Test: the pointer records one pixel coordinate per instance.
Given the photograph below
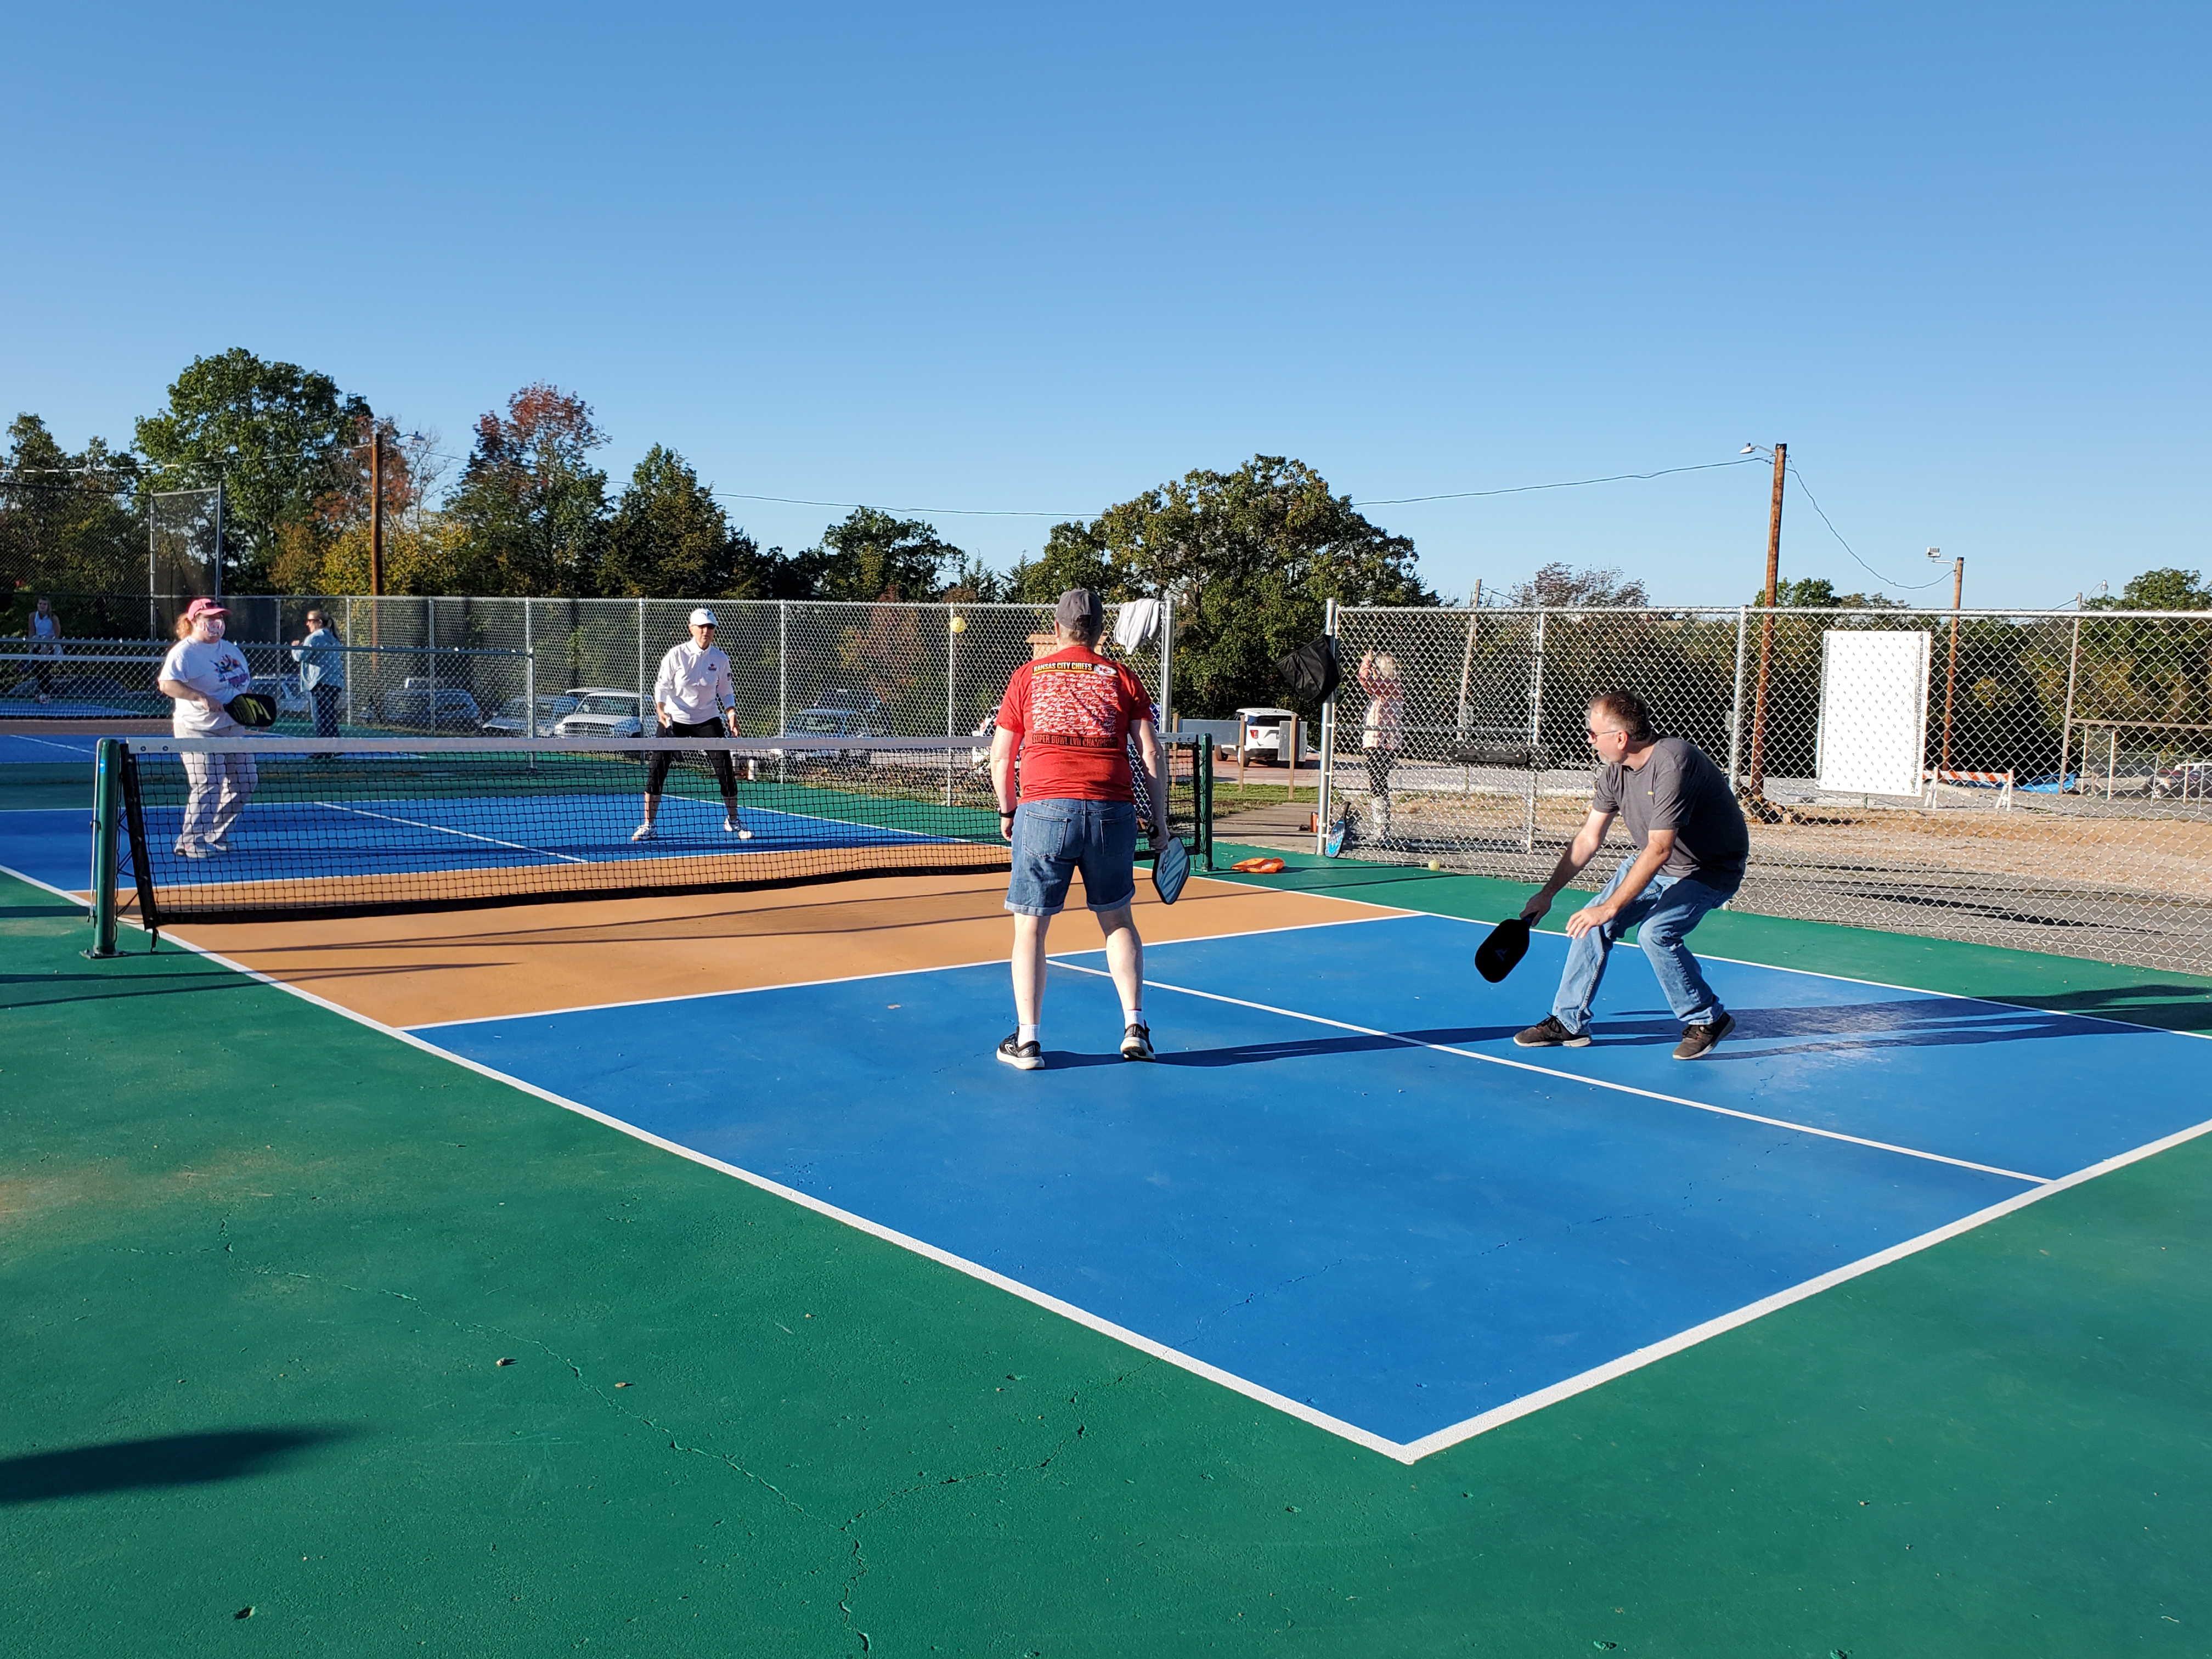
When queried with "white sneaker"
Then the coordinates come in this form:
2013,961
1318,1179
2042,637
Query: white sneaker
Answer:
644,832
192,849
732,827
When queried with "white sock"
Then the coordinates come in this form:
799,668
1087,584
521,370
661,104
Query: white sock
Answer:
1025,1033
1133,1017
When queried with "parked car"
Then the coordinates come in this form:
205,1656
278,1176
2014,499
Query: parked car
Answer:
866,704
601,712
513,720
828,722
284,690
1270,736
411,705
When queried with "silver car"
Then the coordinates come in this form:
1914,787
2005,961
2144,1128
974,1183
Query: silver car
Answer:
513,720
601,712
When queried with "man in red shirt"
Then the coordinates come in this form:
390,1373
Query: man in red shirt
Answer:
1069,714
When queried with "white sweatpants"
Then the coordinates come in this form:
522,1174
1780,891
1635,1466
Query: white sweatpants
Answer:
222,784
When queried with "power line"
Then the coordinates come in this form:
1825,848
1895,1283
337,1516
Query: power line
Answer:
1909,587
1564,483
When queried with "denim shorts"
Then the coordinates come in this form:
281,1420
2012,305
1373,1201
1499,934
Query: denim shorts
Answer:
1054,838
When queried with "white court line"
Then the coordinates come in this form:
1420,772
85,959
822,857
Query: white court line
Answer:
67,748
489,841
850,979
1414,1450
1778,967
1595,1083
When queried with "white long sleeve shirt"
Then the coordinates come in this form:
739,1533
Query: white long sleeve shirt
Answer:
694,685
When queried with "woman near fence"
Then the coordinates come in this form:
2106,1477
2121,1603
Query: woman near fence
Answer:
1383,729
46,644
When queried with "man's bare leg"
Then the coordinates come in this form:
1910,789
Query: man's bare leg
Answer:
1029,968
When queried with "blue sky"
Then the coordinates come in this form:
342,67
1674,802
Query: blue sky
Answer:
1025,258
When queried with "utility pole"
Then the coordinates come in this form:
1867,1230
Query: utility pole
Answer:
1951,682
375,509
1754,788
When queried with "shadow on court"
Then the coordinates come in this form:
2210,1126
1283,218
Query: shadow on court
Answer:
1914,1023
2170,1006
174,1460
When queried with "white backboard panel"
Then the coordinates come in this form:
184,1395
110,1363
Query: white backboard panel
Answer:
1874,711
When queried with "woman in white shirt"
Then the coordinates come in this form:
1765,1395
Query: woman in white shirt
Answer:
203,673
690,693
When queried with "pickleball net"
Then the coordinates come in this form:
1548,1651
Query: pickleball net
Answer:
280,828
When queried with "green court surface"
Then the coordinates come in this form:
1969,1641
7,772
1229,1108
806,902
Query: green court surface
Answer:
262,1265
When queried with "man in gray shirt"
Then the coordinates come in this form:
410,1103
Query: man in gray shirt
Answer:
1691,845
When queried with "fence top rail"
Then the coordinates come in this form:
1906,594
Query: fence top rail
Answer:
806,743
162,647
1661,612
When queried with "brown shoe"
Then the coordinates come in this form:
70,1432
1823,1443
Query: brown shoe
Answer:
1698,1041
1549,1033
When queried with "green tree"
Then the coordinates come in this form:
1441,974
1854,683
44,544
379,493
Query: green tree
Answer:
1811,593
1250,558
68,526
530,513
2165,589
274,434
870,554
1560,585
670,539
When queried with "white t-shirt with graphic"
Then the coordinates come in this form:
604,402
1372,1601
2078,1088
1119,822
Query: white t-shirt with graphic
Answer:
217,671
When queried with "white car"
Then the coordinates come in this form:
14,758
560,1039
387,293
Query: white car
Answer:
601,712
1268,734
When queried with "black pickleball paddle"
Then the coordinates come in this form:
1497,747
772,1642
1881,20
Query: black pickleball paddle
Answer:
1170,868
1496,956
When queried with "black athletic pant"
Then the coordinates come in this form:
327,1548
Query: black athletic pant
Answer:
656,771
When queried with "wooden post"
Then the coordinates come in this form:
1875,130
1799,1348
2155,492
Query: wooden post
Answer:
1755,784
2066,726
1951,682
375,509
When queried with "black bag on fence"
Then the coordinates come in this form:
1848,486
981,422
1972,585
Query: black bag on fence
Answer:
1312,670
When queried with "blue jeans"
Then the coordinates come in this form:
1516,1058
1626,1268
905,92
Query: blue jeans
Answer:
1054,838
1666,910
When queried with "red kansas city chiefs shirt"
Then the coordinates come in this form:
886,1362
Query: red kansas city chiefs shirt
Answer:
1073,712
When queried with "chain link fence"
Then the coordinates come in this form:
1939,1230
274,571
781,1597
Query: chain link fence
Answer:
2033,779
365,691
518,667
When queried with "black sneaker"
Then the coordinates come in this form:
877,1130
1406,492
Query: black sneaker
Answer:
1021,1056
1548,1033
1698,1041
1136,1044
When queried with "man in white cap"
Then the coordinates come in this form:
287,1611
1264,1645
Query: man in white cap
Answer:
693,698
1069,714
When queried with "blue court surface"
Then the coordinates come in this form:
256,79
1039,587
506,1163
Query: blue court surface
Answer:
301,841
23,748
1343,1186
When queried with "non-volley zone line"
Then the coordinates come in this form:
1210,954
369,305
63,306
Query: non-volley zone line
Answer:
1574,1077
447,830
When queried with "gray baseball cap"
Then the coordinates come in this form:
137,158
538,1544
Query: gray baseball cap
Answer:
1081,608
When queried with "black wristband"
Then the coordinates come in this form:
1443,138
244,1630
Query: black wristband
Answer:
1004,812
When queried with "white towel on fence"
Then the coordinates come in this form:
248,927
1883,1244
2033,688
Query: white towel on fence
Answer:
1139,621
